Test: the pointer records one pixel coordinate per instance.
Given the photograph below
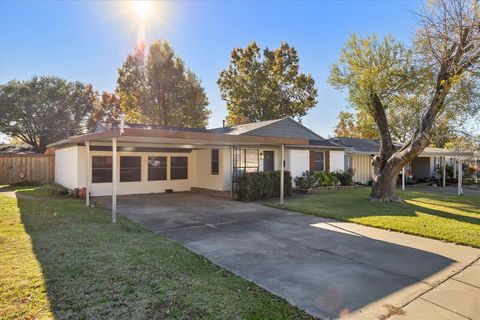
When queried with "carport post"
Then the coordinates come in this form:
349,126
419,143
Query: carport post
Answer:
114,180
476,171
282,174
459,177
87,175
444,170
403,178
231,172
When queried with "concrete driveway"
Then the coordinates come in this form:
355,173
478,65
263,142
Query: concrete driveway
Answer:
331,269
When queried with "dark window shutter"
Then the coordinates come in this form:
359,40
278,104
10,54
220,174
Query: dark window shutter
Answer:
312,160
327,161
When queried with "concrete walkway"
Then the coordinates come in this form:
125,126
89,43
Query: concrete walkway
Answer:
331,269
468,190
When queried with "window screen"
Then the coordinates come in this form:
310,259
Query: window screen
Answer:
101,169
215,161
178,168
130,169
157,168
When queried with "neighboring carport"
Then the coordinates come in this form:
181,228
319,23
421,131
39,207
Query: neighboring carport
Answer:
331,269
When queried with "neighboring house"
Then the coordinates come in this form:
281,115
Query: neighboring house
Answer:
153,159
359,153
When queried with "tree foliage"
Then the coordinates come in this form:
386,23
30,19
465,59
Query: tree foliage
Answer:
438,76
160,89
356,125
45,109
109,108
264,85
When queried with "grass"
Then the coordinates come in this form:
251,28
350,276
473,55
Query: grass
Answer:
445,217
60,259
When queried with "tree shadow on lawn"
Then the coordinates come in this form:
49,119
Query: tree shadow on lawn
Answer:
95,269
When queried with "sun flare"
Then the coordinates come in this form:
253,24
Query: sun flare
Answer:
141,7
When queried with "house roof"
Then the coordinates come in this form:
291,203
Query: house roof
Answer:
372,146
103,126
284,127
284,131
358,145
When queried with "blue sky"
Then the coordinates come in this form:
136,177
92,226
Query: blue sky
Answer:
88,40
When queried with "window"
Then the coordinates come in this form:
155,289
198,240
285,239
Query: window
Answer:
130,169
178,168
318,161
251,160
245,160
101,169
215,163
157,168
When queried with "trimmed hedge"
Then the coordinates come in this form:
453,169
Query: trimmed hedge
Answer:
253,186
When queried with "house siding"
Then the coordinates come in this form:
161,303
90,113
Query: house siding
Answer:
363,169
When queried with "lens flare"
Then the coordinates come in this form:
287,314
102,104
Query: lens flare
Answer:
141,7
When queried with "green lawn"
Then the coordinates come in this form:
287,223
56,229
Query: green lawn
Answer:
59,259
451,218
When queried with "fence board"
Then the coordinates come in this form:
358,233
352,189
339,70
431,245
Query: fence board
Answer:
16,168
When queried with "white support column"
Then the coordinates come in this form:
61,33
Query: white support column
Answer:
231,172
403,178
88,175
114,180
454,167
476,172
444,170
282,175
459,179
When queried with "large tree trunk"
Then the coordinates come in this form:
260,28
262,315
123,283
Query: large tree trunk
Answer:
383,188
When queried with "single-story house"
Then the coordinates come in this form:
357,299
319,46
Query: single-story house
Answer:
134,158
359,153
120,159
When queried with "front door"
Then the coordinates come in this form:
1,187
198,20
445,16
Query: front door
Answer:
268,164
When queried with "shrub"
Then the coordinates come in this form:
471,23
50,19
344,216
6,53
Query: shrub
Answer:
306,181
53,189
325,179
310,179
253,186
345,177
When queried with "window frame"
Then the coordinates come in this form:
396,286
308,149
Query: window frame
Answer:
124,169
104,168
215,163
172,168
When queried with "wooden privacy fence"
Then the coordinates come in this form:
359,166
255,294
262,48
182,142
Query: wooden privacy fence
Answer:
16,168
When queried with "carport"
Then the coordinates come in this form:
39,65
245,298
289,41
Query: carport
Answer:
162,145
436,159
